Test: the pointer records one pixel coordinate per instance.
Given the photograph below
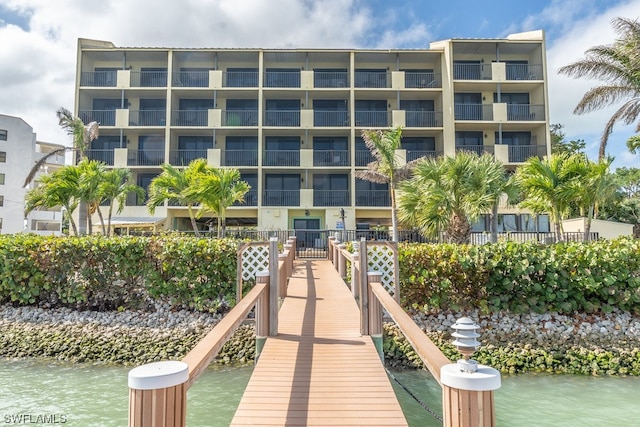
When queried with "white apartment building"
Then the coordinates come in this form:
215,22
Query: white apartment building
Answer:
19,150
290,119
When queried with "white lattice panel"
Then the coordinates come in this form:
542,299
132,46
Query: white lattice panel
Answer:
254,258
381,258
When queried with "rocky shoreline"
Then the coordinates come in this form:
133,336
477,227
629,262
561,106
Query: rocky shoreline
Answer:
136,337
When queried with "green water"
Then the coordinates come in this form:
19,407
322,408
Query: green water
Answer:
94,395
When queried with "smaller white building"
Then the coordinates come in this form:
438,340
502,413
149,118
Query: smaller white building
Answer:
19,150
605,229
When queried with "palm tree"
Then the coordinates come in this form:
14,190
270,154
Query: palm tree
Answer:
219,190
178,185
618,66
115,187
449,193
92,175
386,167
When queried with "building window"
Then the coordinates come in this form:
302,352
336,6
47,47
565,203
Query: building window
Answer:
3,134
0,223
1,179
1,201
3,157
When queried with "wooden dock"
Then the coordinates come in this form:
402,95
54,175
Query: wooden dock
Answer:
319,370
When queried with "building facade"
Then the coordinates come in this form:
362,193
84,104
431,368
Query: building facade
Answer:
19,150
291,119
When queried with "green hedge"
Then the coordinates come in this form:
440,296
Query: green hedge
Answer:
93,272
520,277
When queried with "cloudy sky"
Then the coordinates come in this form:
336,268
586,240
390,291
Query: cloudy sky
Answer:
38,40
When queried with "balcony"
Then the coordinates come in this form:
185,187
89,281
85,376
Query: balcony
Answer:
191,79
478,149
189,117
473,112
423,119
281,158
105,156
285,118
372,79
240,158
363,157
250,199
98,78
282,79
471,71
147,118
523,72
331,198
330,79
373,118
184,157
103,117
145,157
240,79
520,153
281,198
525,112
330,158
422,80
373,198
148,79
330,118
240,118
418,154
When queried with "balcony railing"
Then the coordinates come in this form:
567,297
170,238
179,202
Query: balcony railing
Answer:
331,198
473,111
282,118
145,157
98,78
281,158
524,72
520,153
147,118
184,157
104,156
478,149
190,117
330,118
250,199
363,157
330,158
372,79
373,198
330,79
103,117
148,78
240,118
418,154
191,79
471,71
422,80
425,119
525,112
240,158
281,198
372,118
241,79
282,79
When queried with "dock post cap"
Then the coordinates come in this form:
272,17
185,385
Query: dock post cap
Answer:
484,378
158,375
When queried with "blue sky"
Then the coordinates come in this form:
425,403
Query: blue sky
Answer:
39,39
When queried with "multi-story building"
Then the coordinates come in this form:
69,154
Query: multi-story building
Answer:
291,119
19,151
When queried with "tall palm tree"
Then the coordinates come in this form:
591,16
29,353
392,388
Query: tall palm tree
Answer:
178,185
618,67
92,175
449,193
219,190
115,187
386,167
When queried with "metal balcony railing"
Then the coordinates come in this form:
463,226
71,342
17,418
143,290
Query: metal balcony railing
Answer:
147,118
281,198
189,117
101,155
184,157
98,78
372,118
240,79
363,157
148,78
282,118
330,118
191,79
145,157
372,79
422,80
524,71
282,79
473,111
472,71
103,117
281,158
424,119
478,149
418,154
240,158
373,198
240,118
330,158
330,79
520,153
331,198
525,112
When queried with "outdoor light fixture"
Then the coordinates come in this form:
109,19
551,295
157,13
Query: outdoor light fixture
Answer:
465,341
